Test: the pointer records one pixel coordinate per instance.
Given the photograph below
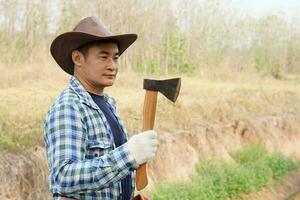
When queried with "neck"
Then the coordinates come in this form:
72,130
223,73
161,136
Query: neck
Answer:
88,86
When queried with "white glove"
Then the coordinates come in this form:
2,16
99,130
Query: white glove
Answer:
143,146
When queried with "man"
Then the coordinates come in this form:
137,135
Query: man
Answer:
88,151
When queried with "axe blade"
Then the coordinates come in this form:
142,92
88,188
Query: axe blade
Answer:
169,87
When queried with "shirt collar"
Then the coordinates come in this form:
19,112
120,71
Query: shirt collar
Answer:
83,95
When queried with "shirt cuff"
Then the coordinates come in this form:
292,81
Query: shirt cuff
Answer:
127,158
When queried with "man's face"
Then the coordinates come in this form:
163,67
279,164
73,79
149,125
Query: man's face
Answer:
100,66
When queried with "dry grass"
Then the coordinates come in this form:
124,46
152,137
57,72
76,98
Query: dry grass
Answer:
207,96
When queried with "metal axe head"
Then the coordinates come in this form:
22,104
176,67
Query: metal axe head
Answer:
169,87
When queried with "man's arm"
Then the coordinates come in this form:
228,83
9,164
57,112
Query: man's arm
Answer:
65,138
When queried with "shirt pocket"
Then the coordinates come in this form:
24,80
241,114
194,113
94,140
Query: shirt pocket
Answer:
97,148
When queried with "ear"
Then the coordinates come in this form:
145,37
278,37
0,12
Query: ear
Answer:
77,58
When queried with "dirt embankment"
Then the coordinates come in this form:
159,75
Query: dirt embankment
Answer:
24,175
179,152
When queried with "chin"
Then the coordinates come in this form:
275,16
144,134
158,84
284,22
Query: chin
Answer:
108,83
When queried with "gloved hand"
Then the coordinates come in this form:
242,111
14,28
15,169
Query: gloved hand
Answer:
143,146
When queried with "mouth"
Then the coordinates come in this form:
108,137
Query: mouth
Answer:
111,76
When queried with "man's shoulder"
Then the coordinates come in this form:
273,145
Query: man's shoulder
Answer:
66,98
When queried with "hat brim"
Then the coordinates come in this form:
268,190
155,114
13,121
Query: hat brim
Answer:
63,45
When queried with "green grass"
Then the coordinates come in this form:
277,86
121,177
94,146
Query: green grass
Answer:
253,168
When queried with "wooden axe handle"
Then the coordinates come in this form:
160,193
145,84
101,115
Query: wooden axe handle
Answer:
148,124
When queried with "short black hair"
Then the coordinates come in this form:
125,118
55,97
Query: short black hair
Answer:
84,49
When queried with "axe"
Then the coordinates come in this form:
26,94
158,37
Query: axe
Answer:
169,88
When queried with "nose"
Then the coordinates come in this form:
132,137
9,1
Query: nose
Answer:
112,64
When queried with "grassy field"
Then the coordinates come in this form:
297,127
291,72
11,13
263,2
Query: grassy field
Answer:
206,96
252,168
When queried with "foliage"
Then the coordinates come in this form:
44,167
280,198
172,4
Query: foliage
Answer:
253,169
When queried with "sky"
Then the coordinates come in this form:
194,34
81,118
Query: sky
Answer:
258,8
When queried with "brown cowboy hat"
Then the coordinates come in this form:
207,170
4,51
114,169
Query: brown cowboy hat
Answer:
87,30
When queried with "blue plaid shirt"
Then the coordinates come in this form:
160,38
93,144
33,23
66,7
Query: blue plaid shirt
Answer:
82,158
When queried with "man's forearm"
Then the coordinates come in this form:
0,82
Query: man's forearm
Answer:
92,174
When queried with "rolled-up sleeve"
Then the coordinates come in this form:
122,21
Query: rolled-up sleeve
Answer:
66,139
